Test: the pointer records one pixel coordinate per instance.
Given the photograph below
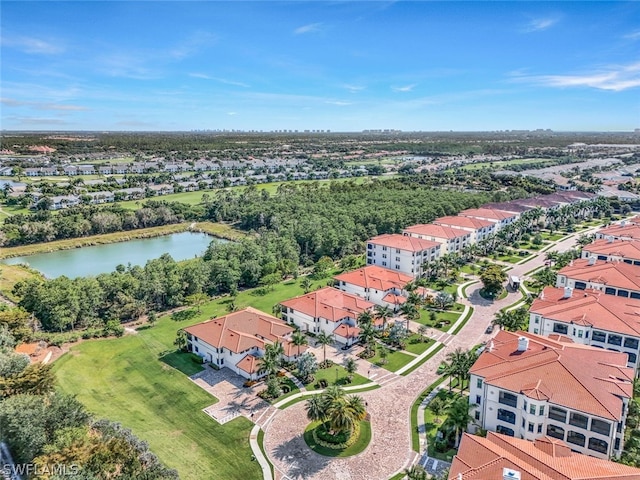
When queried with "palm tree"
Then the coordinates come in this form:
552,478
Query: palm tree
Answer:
365,318
344,412
457,359
422,331
350,366
316,409
385,313
367,337
324,339
299,339
306,284
458,416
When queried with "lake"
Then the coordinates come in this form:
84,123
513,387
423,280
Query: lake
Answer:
85,261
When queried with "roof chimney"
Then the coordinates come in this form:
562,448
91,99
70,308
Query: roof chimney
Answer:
508,474
523,344
609,239
491,346
568,292
592,260
623,223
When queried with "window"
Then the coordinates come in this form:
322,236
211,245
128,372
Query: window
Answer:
477,415
196,349
530,427
635,295
623,293
558,414
384,249
478,399
397,250
576,438
578,420
609,291
384,255
598,445
579,333
541,410
539,428
581,285
560,328
536,320
479,383
599,336
504,430
384,264
532,409
524,407
598,426
614,339
633,358
555,432
397,259
631,343
617,444
507,398
506,416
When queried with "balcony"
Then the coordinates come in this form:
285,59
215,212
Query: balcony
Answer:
506,416
509,399
558,414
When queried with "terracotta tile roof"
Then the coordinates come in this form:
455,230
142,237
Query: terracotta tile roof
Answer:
614,274
249,363
619,248
347,331
628,231
395,299
242,330
375,277
467,222
590,308
490,213
511,207
544,459
329,303
575,376
436,231
403,242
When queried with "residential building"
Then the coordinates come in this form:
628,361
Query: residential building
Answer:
101,197
452,240
403,253
620,231
501,457
376,284
527,386
499,217
480,229
326,310
611,278
610,249
60,202
589,318
162,189
237,341
133,193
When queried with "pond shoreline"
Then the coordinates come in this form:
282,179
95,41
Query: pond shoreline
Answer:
217,230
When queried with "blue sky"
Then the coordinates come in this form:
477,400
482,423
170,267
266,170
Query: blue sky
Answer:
343,66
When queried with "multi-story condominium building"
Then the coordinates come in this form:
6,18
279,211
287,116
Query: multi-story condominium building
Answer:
527,386
237,341
589,318
609,249
499,457
403,253
611,278
376,284
499,217
480,229
452,239
620,231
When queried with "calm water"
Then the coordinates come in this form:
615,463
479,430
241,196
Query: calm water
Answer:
81,262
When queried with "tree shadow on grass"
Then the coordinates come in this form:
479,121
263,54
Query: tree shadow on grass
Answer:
183,315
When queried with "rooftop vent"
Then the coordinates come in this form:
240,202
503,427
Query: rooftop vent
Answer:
508,474
523,344
592,260
568,292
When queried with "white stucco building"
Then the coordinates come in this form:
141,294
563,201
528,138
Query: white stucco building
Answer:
451,240
403,253
376,284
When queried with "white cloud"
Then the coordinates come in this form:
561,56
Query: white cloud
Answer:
310,28
204,76
405,88
538,24
33,45
10,102
612,78
339,103
354,88
633,35
232,113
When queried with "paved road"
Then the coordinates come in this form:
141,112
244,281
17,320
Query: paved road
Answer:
390,448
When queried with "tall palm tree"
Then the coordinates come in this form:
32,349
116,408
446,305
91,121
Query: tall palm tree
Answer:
324,339
299,339
458,416
383,312
365,318
457,359
367,336
316,409
306,284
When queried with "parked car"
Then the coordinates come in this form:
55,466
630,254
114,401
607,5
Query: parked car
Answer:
489,329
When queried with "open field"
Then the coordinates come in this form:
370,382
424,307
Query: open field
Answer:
504,164
12,274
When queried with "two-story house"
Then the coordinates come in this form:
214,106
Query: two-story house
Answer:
527,386
376,284
237,341
403,253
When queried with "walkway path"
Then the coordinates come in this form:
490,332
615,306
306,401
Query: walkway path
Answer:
390,448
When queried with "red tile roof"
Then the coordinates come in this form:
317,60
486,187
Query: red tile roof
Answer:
618,248
329,303
490,213
466,222
347,331
583,378
544,459
395,299
242,330
375,277
614,274
403,242
628,231
436,231
249,363
590,308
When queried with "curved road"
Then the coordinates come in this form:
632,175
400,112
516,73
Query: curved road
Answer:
389,406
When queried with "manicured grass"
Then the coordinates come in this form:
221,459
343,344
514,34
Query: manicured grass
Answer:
424,360
554,237
293,389
464,322
415,437
395,360
336,372
500,295
432,423
358,446
443,286
260,440
187,363
122,380
470,268
12,274
416,345
448,318
509,258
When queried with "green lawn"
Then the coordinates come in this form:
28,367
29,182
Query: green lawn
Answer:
187,363
358,446
416,345
415,437
443,286
122,379
448,318
395,360
336,375
432,423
